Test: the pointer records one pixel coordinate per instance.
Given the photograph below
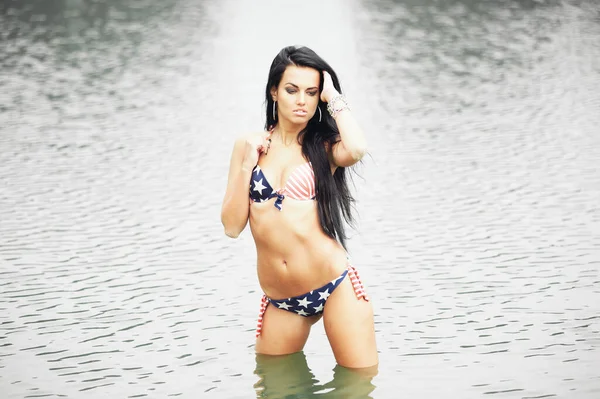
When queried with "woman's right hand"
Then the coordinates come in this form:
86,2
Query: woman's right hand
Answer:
255,145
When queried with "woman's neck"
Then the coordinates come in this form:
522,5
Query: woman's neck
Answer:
288,132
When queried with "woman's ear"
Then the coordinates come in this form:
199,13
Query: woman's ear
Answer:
274,93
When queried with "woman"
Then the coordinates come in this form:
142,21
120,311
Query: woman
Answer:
297,203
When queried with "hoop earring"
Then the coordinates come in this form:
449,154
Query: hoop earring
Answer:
320,113
274,104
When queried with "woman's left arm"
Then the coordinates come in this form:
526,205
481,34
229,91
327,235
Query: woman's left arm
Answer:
353,145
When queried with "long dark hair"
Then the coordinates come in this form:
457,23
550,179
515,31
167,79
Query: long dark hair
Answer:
334,201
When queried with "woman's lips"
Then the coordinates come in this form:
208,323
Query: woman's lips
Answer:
300,112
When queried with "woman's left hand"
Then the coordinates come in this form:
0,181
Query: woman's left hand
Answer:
328,89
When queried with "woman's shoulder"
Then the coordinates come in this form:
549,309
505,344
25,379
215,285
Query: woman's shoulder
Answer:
243,138
249,135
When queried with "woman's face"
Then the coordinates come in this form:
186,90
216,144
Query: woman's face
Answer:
297,95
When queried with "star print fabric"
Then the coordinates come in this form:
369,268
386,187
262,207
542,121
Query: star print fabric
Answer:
359,291
261,190
311,303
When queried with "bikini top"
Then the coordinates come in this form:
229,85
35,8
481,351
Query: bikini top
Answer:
300,185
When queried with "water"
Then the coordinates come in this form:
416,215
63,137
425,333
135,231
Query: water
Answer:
478,205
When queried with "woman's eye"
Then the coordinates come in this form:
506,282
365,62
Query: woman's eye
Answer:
312,93
290,91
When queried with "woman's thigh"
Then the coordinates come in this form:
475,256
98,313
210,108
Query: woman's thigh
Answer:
350,327
283,332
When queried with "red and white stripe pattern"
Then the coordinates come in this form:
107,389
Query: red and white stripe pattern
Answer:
300,185
263,308
357,284
359,288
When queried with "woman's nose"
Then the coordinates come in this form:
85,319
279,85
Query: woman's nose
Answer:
300,98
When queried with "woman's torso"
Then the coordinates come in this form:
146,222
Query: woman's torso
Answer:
294,255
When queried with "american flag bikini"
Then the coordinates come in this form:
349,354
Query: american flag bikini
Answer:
300,185
313,302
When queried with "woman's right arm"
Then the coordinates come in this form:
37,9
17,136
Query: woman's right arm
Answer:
236,204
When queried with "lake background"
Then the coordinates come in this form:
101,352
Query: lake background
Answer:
478,205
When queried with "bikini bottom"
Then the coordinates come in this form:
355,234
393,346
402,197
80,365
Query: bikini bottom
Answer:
313,302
